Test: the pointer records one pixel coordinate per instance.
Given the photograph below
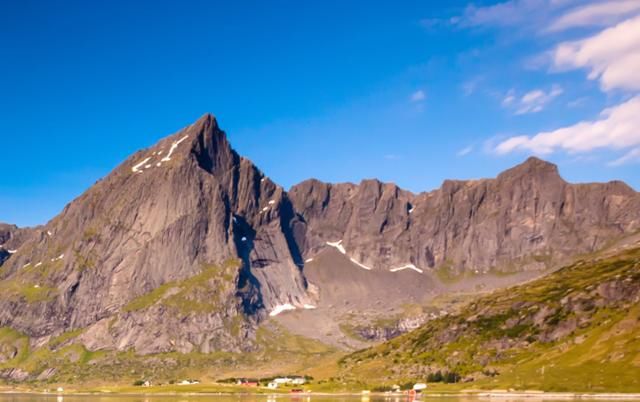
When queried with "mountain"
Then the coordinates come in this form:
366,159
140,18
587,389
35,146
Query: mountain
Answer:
188,247
528,218
187,206
577,329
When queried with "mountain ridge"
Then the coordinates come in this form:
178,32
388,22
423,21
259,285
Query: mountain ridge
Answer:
190,207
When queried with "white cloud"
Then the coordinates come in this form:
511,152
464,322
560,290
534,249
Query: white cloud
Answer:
418,96
520,14
509,98
532,102
577,102
534,15
597,14
469,87
611,56
617,128
465,151
632,156
508,13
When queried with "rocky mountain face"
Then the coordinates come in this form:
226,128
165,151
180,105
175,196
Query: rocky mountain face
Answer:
186,245
11,237
528,218
165,215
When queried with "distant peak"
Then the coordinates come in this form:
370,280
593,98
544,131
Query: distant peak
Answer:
534,167
535,161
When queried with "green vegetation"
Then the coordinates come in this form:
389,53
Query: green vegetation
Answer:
203,292
446,273
206,291
14,346
149,299
277,351
448,377
30,292
65,337
577,329
30,283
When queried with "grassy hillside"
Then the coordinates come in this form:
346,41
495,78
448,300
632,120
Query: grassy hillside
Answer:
73,365
577,329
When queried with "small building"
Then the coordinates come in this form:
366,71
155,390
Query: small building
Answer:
298,381
419,386
188,382
272,385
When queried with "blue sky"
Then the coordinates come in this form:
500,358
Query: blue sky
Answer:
412,92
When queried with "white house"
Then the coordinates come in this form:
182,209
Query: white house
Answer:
283,380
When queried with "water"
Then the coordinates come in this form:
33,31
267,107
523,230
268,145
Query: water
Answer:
201,398
260,398
215,398
192,398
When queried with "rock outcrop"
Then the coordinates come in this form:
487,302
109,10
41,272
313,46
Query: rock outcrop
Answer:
528,218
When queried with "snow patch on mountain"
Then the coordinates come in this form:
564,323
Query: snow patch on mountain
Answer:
361,265
281,308
407,266
173,148
136,168
338,245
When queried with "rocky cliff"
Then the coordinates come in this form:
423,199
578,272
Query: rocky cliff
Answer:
528,218
167,214
186,245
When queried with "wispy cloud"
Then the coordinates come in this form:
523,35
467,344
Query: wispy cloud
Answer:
534,15
509,99
597,14
577,102
469,87
632,156
611,56
465,151
617,128
521,14
533,101
508,13
418,96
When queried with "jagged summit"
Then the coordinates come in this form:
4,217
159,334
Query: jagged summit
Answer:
532,169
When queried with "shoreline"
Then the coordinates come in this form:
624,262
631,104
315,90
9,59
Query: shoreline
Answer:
496,394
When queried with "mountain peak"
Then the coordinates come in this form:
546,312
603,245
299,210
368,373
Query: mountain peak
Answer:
210,144
534,161
532,167
206,121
